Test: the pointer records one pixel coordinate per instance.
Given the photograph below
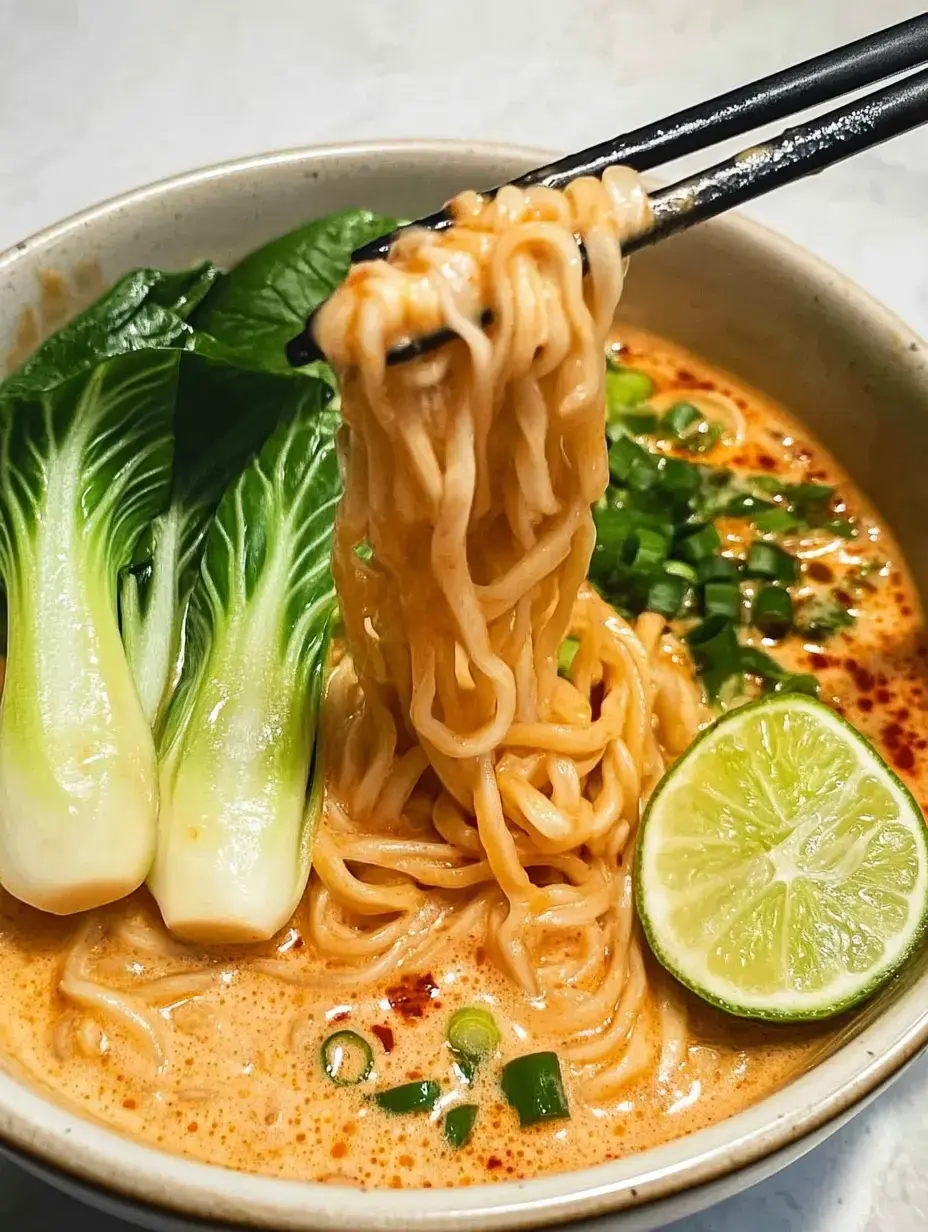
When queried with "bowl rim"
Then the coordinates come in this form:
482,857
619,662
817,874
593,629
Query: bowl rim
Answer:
47,1135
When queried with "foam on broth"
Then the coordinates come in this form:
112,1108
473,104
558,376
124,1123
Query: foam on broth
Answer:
243,1085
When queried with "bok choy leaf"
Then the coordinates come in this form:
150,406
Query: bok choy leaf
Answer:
84,467
145,310
222,419
264,301
236,748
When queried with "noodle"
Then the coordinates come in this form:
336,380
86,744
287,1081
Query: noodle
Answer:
475,788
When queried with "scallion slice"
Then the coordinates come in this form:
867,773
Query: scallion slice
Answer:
679,568
566,655
626,387
722,599
715,649
459,1124
718,569
533,1086
776,521
411,1097
347,1058
639,423
650,549
473,1033
681,418
766,560
667,594
624,455
772,612
700,542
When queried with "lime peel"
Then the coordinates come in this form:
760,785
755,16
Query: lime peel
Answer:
782,867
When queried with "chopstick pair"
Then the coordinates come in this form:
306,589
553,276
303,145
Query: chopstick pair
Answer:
795,153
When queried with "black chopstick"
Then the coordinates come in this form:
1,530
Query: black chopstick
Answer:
770,99
795,153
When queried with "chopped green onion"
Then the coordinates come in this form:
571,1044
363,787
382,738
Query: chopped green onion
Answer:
649,548
410,1097
776,521
680,418
705,437
805,494
473,1033
772,612
626,387
533,1086
718,569
766,560
667,594
631,465
715,649
678,479
757,662
459,1124
799,682
746,505
679,568
639,423
699,542
722,599
347,1058
566,655
844,528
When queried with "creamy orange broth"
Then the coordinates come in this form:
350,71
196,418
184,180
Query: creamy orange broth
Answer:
243,1085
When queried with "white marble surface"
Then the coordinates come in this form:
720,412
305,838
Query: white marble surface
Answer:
97,96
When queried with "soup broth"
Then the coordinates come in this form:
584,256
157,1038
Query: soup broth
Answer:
215,1054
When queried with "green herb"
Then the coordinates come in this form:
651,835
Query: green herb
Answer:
411,1097
347,1058
533,1086
263,302
459,1124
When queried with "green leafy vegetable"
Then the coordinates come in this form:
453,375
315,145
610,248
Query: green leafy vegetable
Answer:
145,310
84,467
223,416
263,302
236,749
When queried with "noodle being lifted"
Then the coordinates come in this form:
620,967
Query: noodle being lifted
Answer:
462,547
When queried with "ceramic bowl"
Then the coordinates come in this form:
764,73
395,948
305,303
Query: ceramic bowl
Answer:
744,298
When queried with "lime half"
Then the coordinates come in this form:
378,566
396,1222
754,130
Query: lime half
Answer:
782,868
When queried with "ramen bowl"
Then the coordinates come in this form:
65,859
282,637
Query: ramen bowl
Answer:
737,294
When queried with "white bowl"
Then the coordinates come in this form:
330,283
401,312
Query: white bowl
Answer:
744,298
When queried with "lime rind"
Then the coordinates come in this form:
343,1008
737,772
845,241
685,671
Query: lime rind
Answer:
782,867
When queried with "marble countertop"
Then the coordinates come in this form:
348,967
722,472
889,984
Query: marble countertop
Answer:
98,96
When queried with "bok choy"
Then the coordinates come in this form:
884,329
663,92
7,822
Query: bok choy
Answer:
85,465
237,745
